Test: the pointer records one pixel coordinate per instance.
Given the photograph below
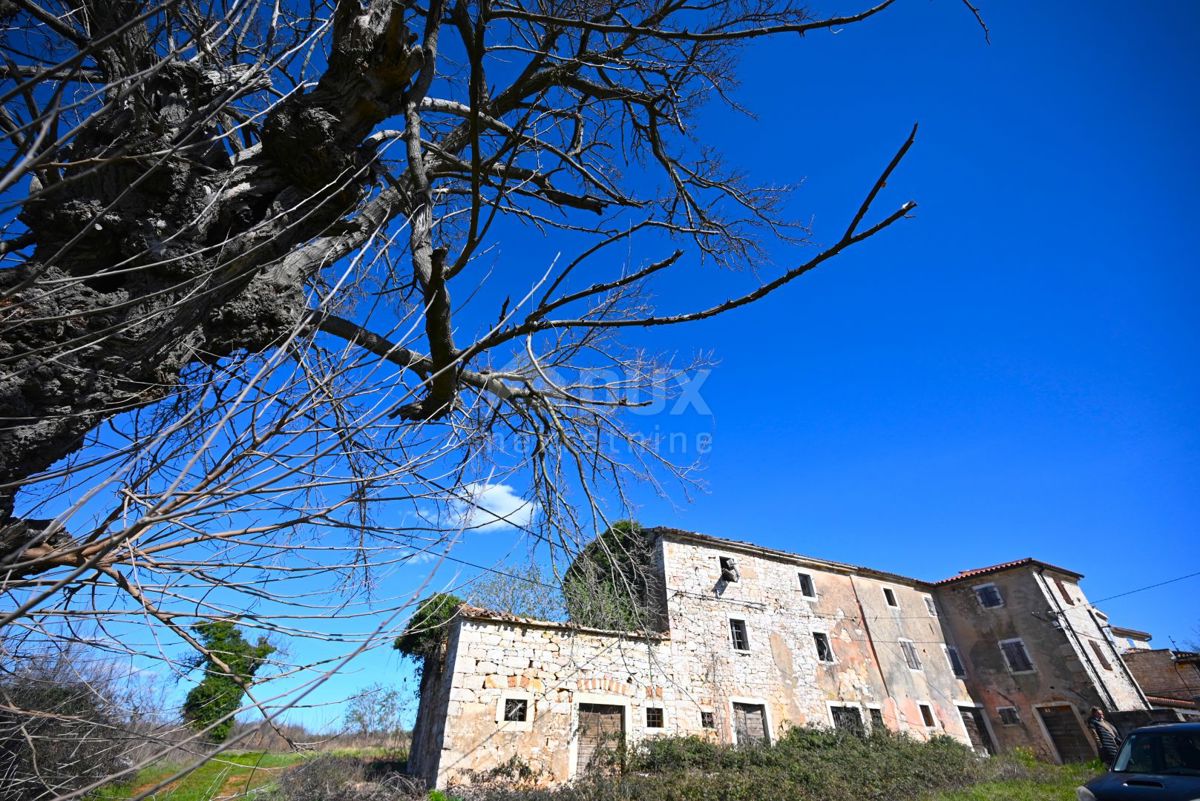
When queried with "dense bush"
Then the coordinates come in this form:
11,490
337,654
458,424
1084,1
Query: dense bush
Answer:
60,725
805,764
346,778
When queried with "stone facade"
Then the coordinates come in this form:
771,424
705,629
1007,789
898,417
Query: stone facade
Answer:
1072,664
758,640
1169,678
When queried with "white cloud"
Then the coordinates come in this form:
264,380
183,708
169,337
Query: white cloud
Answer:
491,507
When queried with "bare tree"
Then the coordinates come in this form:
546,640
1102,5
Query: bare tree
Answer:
232,369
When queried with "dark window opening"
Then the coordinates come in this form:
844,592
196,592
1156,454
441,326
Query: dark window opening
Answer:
930,606
956,664
728,569
1009,715
515,710
824,649
737,631
847,718
910,655
654,717
927,716
890,596
877,719
1016,656
1100,655
806,586
989,596
708,720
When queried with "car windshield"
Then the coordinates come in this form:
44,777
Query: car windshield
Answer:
1164,752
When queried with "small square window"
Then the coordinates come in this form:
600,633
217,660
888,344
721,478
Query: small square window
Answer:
728,568
890,596
739,635
989,596
929,604
1009,715
654,717
806,586
708,720
910,654
824,649
927,716
516,710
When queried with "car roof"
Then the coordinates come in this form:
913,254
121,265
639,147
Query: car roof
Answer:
1157,727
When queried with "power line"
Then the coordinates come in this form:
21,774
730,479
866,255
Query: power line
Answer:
1147,587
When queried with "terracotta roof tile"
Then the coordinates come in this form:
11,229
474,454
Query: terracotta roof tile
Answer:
982,571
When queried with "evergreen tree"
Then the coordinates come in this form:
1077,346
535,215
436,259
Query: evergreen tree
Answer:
229,667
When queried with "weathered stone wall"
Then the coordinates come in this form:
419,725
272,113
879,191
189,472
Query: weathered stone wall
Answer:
694,671
1160,674
1066,669
1094,650
781,668
554,668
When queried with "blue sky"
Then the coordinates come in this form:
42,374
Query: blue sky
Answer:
1010,373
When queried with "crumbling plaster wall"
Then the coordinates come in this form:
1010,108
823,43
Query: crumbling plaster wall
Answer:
781,668
1061,674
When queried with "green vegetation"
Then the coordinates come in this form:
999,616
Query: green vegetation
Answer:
229,667
427,628
804,765
226,775
610,585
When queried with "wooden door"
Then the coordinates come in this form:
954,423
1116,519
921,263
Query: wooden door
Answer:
972,719
601,737
750,723
1068,736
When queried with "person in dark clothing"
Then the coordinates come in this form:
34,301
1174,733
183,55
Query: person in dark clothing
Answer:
1108,741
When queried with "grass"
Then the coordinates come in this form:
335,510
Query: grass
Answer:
1053,783
226,776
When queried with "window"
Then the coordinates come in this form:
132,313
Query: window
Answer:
927,716
989,596
1062,589
516,710
930,606
1009,715
847,718
824,649
1016,656
910,654
956,664
889,596
737,632
708,720
654,717
1100,655
728,568
806,586
877,719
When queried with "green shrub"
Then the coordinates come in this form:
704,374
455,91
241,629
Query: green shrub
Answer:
803,765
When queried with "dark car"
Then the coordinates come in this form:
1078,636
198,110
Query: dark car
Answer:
1156,763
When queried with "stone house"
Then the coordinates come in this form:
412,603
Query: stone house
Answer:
755,640
1170,678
